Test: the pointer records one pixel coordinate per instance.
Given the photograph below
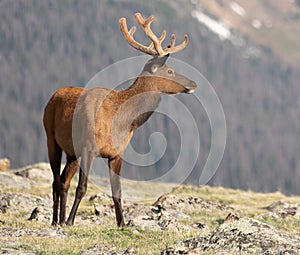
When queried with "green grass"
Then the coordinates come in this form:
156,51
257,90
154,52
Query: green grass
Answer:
288,224
81,237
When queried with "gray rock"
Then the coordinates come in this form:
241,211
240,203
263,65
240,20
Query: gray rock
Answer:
171,201
140,216
11,181
243,236
154,218
26,177
284,209
36,172
10,202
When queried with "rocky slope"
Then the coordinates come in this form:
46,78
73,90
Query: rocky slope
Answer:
212,226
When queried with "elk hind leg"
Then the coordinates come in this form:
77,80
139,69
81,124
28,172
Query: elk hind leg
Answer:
54,154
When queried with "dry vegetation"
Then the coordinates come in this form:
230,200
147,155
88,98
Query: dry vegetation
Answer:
187,213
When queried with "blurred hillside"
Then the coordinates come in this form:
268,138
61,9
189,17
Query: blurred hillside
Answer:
253,65
274,24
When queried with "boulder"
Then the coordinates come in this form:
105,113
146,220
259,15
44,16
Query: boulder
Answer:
241,236
11,181
37,172
4,164
183,203
283,209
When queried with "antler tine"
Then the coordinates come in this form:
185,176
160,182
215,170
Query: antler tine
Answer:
128,35
156,42
173,40
145,25
151,45
132,31
172,49
163,36
142,22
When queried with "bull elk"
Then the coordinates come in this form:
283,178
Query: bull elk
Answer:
100,122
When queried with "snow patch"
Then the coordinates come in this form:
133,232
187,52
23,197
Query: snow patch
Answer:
215,26
247,51
238,9
256,24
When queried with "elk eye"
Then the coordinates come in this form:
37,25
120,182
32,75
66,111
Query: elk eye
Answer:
170,71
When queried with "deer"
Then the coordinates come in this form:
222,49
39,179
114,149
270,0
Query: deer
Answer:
100,122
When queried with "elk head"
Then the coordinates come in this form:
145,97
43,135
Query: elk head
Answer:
161,77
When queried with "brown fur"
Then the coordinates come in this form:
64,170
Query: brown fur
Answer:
100,122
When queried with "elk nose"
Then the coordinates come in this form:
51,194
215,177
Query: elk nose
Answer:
190,88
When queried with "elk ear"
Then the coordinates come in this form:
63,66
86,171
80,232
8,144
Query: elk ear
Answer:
161,60
158,62
154,63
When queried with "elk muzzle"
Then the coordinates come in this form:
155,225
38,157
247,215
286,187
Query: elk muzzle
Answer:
190,88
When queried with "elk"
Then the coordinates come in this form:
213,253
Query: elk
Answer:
100,122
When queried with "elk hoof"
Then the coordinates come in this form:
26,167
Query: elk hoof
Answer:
54,224
69,223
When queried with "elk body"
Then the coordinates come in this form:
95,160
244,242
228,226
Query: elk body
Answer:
86,124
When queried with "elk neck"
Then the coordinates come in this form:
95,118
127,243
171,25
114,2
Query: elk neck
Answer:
142,84
141,89
139,101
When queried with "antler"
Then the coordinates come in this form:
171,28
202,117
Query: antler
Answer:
155,48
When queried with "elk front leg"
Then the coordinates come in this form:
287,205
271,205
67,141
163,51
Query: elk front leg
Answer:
66,177
87,159
114,174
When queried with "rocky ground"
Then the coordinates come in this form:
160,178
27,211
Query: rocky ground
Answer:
213,227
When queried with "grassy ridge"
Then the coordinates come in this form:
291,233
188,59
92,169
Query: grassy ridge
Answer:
82,236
